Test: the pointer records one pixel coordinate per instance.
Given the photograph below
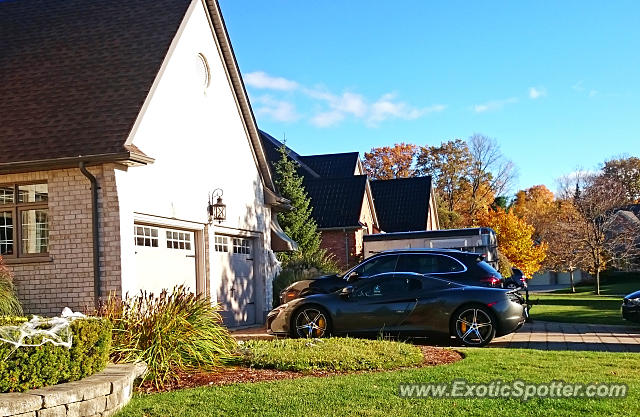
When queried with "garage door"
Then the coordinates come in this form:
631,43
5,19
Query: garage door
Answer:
236,293
165,258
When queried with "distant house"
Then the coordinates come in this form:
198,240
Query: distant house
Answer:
347,205
118,119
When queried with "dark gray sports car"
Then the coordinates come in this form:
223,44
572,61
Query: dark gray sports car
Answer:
403,303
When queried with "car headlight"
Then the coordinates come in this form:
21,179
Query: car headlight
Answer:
633,302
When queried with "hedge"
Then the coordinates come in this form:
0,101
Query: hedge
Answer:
23,368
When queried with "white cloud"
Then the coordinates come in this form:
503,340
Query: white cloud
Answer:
535,93
494,105
327,119
593,93
331,108
279,110
262,80
578,86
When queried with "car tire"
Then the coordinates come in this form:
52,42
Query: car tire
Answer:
310,321
473,325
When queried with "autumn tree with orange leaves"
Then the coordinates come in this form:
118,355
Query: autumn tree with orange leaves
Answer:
388,162
515,239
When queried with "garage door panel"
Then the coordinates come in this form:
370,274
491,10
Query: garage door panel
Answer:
165,258
237,290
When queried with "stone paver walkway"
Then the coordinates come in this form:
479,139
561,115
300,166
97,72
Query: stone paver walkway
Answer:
572,336
537,335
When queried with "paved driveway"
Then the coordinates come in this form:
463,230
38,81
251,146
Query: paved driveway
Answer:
573,336
538,335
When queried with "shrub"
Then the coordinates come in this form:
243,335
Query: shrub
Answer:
333,354
176,331
9,304
26,367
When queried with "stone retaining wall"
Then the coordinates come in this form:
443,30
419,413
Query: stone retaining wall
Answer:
100,395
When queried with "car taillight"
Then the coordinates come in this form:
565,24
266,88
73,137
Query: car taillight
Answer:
491,280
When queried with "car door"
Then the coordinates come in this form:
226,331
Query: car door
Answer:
430,309
378,304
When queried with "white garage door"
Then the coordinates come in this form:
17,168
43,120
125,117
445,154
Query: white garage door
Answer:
164,258
236,293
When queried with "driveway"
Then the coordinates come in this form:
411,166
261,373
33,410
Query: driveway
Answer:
572,336
537,335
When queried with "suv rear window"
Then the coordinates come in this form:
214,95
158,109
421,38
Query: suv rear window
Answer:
489,269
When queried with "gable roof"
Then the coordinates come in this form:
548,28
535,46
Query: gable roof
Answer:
402,204
75,76
333,165
337,202
272,147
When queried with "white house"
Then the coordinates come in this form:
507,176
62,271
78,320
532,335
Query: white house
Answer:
146,98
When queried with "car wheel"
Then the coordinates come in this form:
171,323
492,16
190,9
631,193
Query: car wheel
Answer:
310,322
473,325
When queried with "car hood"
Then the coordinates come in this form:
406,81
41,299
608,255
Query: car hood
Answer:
633,295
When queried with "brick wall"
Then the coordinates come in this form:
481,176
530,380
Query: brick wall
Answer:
66,279
334,242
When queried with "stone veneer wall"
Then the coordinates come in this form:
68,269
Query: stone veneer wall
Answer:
100,395
65,277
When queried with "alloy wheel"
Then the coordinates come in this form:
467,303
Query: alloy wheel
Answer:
310,323
474,327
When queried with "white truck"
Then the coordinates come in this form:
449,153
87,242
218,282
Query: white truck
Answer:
480,240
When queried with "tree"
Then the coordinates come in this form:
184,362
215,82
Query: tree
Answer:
387,162
603,238
626,172
297,223
515,239
536,205
490,174
563,253
449,166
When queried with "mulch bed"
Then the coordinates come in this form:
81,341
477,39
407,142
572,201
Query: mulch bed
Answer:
238,374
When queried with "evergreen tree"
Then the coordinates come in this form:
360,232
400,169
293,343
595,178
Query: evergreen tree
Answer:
298,223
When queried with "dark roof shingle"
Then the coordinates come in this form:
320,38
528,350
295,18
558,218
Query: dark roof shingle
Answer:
332,165
337,202
74,74
402,204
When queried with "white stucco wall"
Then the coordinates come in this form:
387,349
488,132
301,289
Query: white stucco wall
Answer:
198,140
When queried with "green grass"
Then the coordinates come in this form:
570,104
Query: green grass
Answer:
375,394
584,306
334,354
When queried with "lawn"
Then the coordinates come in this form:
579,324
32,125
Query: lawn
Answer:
584,306
375,394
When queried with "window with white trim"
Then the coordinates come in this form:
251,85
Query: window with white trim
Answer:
222,244
241,246
146,236
24,220
178,240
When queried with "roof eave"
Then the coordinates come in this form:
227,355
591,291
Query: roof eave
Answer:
125,158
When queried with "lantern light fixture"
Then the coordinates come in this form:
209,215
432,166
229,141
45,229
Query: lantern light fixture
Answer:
218,210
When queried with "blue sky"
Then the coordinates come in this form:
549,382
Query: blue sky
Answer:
556,83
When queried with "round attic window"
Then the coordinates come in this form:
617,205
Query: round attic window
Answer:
204,75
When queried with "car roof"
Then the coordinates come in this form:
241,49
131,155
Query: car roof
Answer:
429,250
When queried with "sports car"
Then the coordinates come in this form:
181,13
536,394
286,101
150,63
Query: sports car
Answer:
403,303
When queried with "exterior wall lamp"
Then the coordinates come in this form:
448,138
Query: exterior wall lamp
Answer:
217,211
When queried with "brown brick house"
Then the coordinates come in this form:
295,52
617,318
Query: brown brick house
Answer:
118,120
347,205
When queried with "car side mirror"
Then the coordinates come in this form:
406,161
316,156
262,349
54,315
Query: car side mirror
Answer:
346,291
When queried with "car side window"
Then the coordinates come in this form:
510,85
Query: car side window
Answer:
378,265
447,264
418,263
390,286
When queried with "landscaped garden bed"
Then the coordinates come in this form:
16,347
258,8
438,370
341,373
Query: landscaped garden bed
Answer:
260,361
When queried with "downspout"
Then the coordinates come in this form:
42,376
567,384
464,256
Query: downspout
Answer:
346,245
97,287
